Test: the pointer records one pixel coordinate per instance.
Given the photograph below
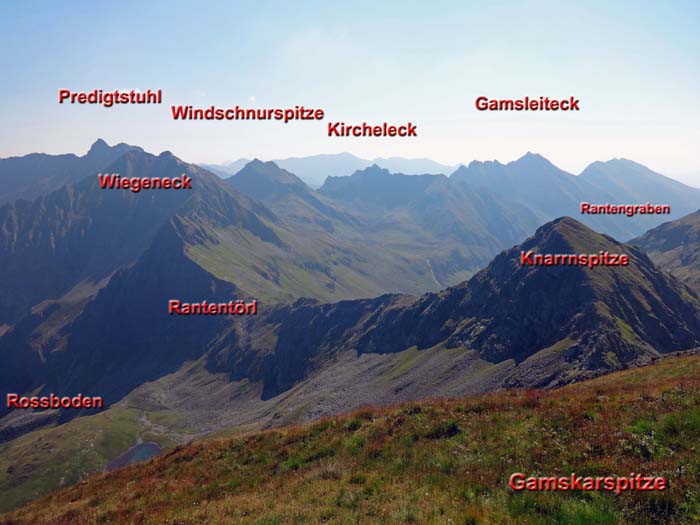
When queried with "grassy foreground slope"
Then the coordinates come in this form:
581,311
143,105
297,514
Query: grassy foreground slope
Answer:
442,461
51,457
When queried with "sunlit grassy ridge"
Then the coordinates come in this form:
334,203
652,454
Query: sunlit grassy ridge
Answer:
58,456
441,461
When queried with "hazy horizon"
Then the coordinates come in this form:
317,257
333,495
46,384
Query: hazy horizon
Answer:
634,68
677,177
690,181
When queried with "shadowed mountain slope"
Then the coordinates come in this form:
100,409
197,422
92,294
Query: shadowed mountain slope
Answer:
675,247
567,322
211,243
80,232
37,174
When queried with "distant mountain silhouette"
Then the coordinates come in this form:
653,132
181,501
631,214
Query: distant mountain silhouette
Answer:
314,169
443,232
413,166
288,196
37,174
550,192
226,170
260,180
376,185
634,183
532,182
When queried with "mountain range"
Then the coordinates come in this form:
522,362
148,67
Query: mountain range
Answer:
531,183
314,169
441,230
374,289
82,257
551,192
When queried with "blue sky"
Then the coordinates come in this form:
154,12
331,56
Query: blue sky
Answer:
635,66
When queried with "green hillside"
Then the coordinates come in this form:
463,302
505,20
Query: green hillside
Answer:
442,461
